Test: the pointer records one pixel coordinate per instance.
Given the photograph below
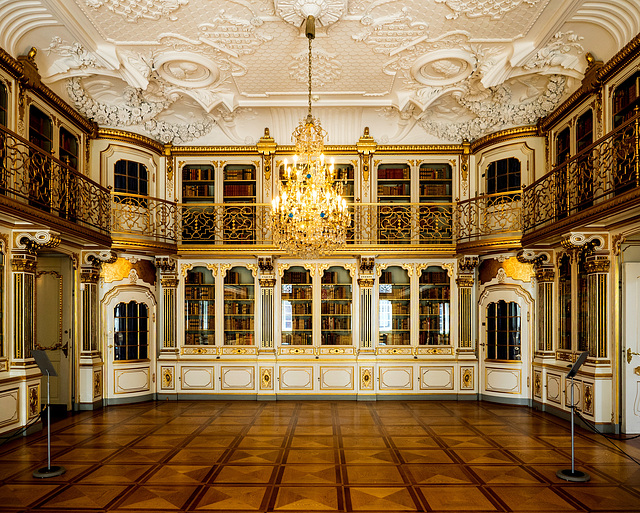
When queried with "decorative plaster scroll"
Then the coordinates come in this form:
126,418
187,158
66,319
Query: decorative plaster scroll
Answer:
562,51
351,268
297,11
496,9
322,268
388,33
380,268
282,268
409,268
213,268
577,239
132,10
185,268
74,54
223,269
449,267
420,268
36,240
253,268
311,268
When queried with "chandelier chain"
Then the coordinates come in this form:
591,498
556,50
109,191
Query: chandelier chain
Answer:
310,75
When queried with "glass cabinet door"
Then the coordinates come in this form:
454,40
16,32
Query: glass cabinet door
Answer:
434,307
239,301
297,307
335,309
199,307
394,305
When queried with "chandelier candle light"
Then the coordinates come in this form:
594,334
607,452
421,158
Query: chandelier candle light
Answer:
309,218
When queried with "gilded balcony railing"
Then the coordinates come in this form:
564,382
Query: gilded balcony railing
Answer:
145,218
372,223
492,215
31,176
607,168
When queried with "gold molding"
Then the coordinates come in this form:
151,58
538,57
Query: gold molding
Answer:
465,281
267,282
597,266
545,274
132,138
503,136
366,283
169,283
620,59
266,378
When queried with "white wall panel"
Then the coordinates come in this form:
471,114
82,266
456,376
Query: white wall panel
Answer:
396,378
9,405
436,378
197,378
296,378
503,380
237,378
336,378
128,381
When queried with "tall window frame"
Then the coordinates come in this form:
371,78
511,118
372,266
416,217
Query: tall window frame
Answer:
130,178
503,175
504,331
131,331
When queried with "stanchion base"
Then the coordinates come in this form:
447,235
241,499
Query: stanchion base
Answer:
49,471
576,476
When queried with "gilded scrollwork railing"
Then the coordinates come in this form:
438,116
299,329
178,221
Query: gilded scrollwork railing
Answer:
31,176
491,215
143,217
602,171
372,223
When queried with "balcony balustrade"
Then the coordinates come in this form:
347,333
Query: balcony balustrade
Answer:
492,216
597,176
29,176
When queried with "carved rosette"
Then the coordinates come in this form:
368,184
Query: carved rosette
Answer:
466,378
366,378
166,380
266,378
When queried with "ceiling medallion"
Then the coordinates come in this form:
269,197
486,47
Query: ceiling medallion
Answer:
296,12
187,70
443,67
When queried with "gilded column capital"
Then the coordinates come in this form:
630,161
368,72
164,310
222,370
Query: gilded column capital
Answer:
598,266
267,282
545,274
169,283
366,283
89,275
465,281
24,264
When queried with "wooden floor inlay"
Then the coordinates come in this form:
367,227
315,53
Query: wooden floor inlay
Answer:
304,456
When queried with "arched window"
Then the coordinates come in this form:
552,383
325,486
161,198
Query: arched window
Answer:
503,331
130,177
4,104
131,331
503,176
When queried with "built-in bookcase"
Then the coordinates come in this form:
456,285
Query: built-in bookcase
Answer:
394,187
239,196
434,296
199,307
198,183
346,174
435,186
297,307
335,307
394,307
239,307
625,98
69,148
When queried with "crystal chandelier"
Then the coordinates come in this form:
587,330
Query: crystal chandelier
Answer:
309,217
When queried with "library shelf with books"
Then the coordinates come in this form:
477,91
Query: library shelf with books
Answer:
435,186
394,307
626,98
198,183
239,196
199,307
239,307
335,307
394,187
434,307
297,307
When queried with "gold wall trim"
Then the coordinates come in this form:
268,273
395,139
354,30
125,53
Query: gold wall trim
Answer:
419,148
489,244
132,138
629,52
502,136
214,150
9,64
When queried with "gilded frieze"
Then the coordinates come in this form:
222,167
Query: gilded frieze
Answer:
513,269
121,268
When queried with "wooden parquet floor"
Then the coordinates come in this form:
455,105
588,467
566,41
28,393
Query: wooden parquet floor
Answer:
303,456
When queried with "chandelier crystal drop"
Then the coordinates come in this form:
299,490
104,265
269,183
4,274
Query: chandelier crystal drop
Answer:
309,217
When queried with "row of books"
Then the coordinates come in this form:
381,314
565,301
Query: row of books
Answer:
433,309
200,308
240,190
336,339
402,189
198,323
238,308
430,323
298,294
435,277
625,95
435,189
234,323
394,339
238,339
301,323
301,309
433,339
296,339
239,174
194,191
336,308
431,173
197,174
401,173
199,339
435,293
335,323
295,277
198,293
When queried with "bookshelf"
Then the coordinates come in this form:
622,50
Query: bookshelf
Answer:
198,183
582,312
239,186
297,307
394,186
435,186
335,307
40,129
69,148
4,104
625,98
563,149
433,301
346,174
584,172
584,130
394,307
239,307
199,307
564,285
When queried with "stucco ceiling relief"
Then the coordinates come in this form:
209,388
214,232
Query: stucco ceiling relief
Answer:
563,51
132,10
326,68
297,11
476,8
388,33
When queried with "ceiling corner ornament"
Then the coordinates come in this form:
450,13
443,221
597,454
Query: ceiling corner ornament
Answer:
496,9
296,12
133,10
74,54
563,51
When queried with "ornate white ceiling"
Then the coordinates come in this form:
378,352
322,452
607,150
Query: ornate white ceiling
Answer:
218,72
